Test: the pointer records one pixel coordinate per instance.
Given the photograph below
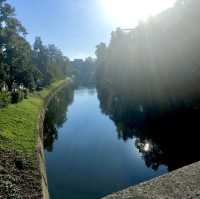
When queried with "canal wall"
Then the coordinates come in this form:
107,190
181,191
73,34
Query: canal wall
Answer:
183,183
22,162
40,147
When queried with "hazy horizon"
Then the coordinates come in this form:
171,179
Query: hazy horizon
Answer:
76,27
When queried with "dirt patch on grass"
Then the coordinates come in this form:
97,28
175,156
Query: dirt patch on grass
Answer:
19,179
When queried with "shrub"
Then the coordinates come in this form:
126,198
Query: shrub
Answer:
4,99
17,96
25,93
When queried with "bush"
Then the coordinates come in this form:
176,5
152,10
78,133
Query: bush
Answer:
4,99
25,93
17,96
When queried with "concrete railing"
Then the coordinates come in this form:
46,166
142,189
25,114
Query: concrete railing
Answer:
183,183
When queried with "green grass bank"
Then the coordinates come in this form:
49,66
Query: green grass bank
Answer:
18,122
22,164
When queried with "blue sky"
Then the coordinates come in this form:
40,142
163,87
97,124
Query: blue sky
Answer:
77,26
74,26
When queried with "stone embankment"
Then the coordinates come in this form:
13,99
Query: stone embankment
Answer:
183,183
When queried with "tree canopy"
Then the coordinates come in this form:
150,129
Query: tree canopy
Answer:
21,63
156,63
85,71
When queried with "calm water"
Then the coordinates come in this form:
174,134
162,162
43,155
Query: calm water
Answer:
85,157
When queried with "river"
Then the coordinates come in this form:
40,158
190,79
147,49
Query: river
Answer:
85,158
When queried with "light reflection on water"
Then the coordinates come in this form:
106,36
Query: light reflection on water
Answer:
87,159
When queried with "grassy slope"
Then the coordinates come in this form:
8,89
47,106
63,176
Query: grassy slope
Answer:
18,122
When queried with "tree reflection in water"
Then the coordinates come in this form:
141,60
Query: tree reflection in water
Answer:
168,137
56,115
164,136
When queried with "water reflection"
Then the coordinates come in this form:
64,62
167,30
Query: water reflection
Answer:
89,160
168,137
109,144
56,116
151,153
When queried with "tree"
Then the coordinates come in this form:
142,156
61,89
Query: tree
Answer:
157,63
85,71
20,63
15,51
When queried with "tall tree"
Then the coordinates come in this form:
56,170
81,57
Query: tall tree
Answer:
157,63
15,51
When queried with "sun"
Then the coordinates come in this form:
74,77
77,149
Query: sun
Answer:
127,13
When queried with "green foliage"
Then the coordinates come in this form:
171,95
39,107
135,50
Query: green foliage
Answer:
18,122
25,93
157,63
84,71
17,96
20,64
15,51
50,62
4,99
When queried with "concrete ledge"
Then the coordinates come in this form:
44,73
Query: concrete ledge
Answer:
179,184
40,147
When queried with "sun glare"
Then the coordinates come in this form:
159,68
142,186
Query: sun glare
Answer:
127,13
